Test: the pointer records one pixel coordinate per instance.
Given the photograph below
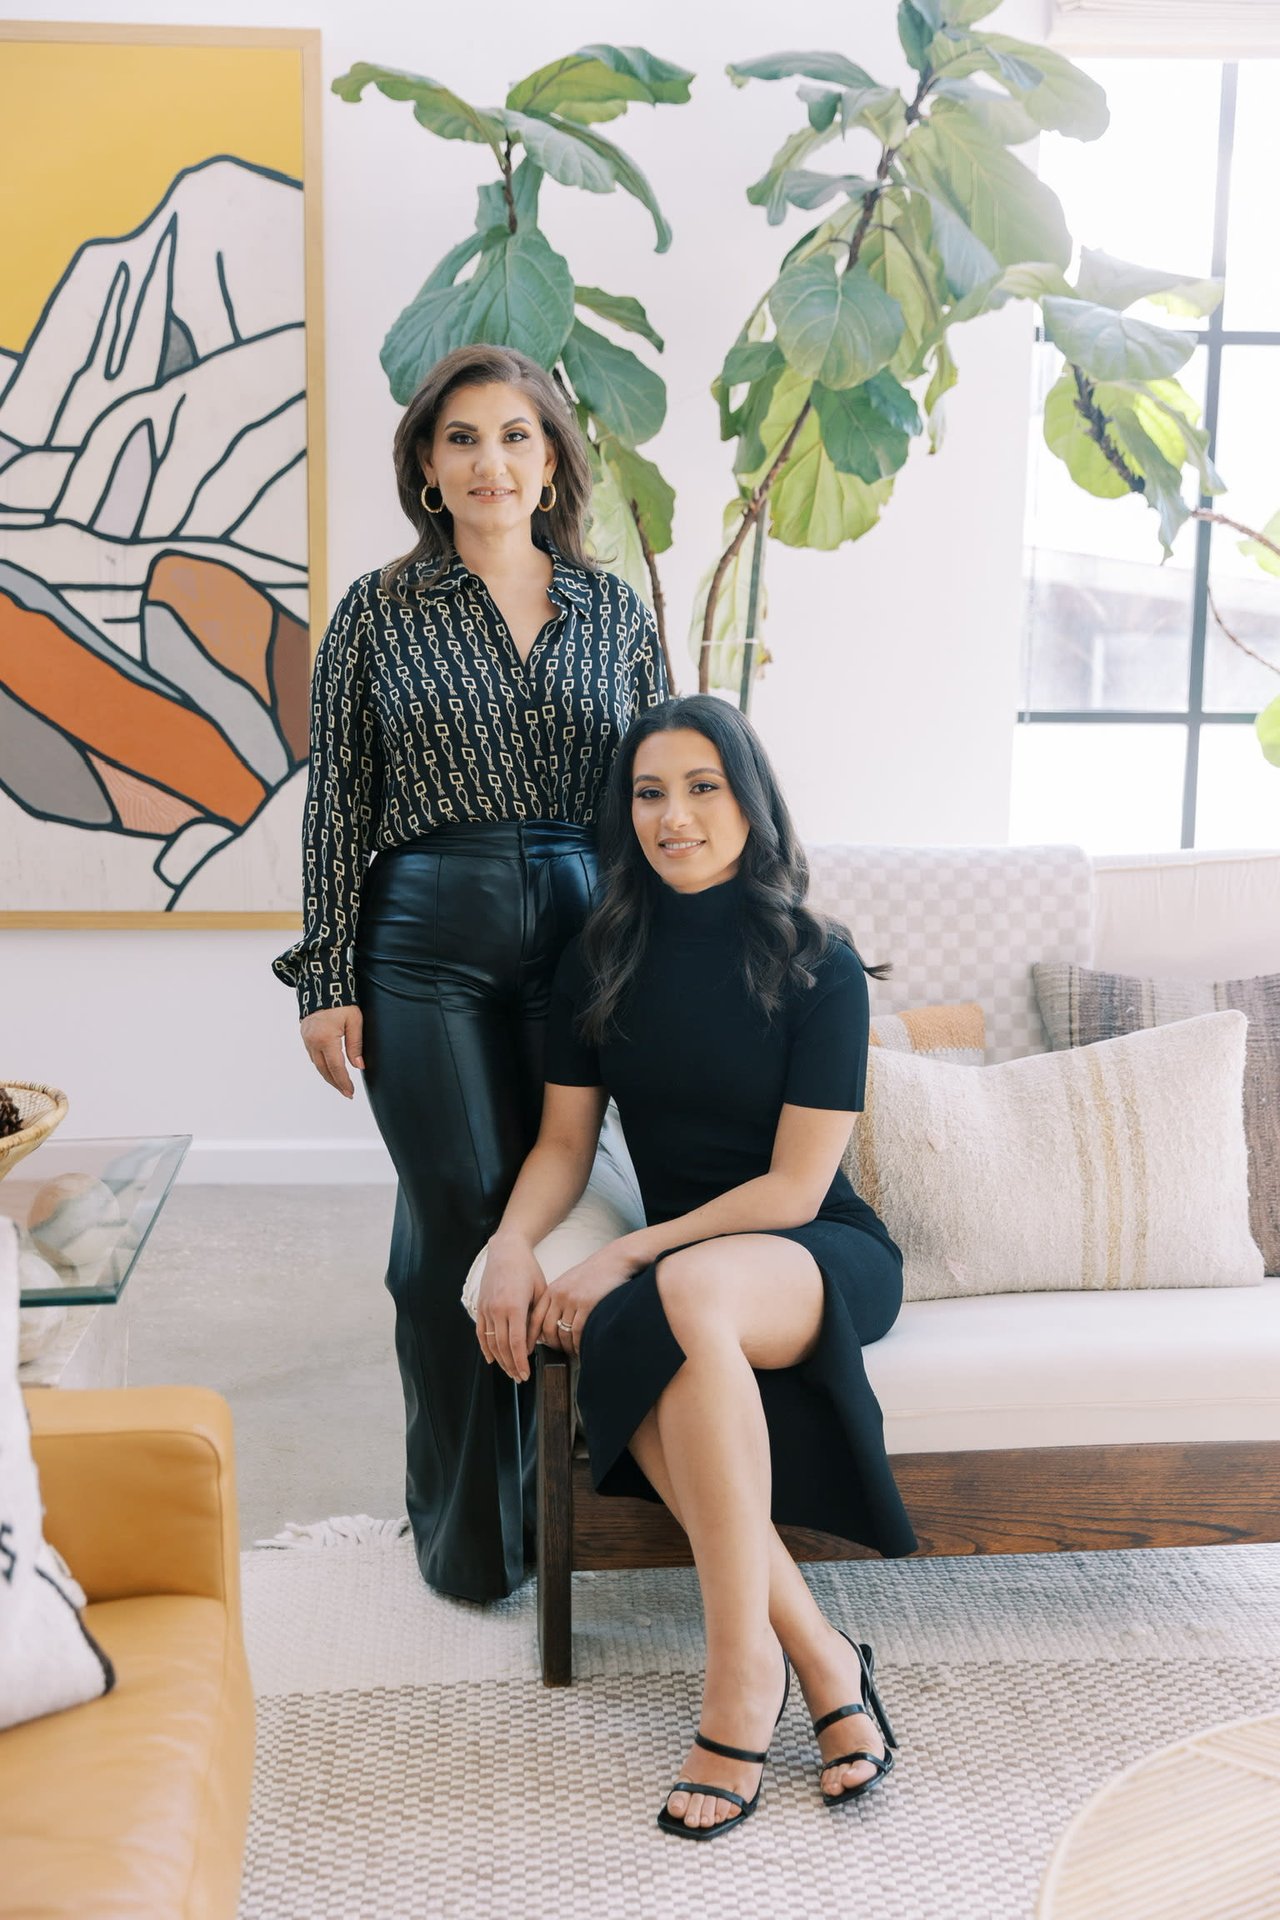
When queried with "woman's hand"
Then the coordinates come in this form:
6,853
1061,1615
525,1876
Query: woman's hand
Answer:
509,1304
569,1299
325,1035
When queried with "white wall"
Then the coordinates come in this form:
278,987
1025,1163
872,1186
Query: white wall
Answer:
889,703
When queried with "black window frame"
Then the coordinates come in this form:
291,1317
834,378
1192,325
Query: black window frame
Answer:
1214,337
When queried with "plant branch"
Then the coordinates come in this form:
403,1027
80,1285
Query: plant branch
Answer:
1235,640
1096,421
750,514
1250,533
507,194
659,602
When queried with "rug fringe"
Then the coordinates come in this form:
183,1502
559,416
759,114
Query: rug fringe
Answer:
343,1530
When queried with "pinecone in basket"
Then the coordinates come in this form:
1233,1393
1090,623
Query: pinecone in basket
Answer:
11,1121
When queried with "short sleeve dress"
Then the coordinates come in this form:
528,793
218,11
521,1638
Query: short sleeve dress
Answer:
700,1076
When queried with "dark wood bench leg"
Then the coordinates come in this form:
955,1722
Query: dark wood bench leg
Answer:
555,1518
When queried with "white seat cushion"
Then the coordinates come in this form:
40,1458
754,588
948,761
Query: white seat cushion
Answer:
1081,1369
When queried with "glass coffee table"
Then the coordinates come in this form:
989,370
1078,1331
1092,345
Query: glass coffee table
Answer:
84,1210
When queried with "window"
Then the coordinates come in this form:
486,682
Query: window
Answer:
1135,730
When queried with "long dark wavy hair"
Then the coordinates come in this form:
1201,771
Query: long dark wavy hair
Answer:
565,524
783,937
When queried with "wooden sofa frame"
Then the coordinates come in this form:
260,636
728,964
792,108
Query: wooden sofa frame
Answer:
1024,1500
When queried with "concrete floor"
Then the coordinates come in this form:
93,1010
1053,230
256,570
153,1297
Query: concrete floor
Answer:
274,1296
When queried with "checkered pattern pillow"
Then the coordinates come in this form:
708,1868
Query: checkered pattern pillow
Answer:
961,923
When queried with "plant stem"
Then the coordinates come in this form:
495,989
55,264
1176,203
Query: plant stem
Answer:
750,514
1235,640
1250,533
659,602
507,194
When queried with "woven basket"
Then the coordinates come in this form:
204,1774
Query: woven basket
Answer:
41,1109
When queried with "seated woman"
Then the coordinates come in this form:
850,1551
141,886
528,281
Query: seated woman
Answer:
721,1345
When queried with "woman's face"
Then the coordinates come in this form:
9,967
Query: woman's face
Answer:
490,458
684,812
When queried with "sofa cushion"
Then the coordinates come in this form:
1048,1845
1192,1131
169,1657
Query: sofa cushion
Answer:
1080,1369
1120,1165
134,1805
1187,915
961,923
49,1660
1080,1007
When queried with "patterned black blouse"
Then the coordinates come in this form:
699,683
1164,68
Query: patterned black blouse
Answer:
423,715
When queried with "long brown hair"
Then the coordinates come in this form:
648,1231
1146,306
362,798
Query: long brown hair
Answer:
783,937
480,366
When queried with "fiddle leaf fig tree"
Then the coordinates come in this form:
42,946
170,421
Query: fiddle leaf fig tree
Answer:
504,284
846,359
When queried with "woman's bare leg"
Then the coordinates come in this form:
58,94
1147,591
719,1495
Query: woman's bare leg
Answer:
735,1304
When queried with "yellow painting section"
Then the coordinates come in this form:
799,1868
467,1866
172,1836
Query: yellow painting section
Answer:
92,136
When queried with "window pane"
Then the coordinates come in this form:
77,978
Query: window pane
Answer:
1106,625
1253,263
1237,792
1247,598
1109,789
1145,190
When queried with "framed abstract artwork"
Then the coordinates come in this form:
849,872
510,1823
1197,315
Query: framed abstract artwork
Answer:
161,471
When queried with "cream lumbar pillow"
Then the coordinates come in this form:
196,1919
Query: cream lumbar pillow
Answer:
1117,1165
48,1658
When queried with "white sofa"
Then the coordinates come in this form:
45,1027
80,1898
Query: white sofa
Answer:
1028,1421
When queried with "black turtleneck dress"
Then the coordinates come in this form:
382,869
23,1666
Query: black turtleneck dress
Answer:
700,1077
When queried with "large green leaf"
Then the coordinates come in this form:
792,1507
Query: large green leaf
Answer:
967,262
1005,119
837,328
1169,414
857,435
433,323
812,504
438,108
831,67
1162,481
613,536
916,32
749,359
776,402
1118,283
629,178
491,202
446,271
1067,434
897,254
644,488
621,309
619,389
889,397
803,188
559,152
943,377
1110,346
751,419
770,190
1057,95
952,157
1267,728
522,297
1027,280
1254,549
599,82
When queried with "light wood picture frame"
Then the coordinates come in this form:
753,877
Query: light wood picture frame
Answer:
162,497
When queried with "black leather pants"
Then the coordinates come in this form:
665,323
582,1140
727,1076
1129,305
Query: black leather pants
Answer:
459,935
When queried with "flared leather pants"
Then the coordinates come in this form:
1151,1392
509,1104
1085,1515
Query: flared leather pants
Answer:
459,935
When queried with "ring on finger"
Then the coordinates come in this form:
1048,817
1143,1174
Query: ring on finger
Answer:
565,1326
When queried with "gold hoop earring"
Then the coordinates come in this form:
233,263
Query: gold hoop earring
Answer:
545,506
426,503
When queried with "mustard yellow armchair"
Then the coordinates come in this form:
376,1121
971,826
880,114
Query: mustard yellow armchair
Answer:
137,1804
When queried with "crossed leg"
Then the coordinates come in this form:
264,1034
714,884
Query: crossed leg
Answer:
734,1304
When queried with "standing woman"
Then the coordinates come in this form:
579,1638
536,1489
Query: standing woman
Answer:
467,704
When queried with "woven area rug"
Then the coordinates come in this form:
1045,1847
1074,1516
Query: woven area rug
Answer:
411,1764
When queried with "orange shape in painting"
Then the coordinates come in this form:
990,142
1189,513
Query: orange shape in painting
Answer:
133,726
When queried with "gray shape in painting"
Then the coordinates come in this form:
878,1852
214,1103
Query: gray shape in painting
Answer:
125,501
229,703
45,771
33,594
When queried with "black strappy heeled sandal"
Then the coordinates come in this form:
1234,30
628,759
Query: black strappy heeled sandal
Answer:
668,1820
870,1704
